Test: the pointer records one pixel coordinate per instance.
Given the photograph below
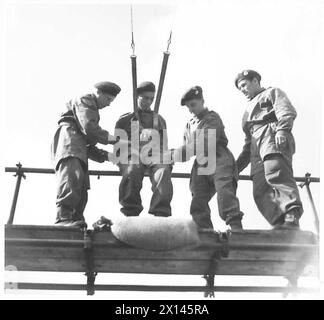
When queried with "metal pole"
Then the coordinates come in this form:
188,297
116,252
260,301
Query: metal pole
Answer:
117,173
315,214
161,288
19,174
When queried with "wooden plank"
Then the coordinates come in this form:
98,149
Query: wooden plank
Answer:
106,237
49,248
42,232
185,267
46,264
125,252
194,267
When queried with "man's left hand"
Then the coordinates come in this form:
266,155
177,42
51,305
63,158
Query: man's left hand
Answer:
281,139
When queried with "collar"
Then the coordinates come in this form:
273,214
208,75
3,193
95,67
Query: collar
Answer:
262,89
201,114
144,111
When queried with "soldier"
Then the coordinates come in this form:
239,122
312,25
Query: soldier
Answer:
269,146
74,142
133,171
206,128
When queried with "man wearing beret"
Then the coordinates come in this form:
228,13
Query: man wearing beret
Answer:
269,146
74,142
133,171
206,129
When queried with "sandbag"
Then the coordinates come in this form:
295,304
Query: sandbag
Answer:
155,233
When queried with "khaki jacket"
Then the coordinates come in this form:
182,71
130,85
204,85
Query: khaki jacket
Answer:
267,113
77,128
225,162
146,120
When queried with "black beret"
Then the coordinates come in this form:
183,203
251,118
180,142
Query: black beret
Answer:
108,87
247,74
146,86
192,93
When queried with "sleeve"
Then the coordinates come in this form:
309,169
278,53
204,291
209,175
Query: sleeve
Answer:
244,158
189,147
284,110
87,116
96,154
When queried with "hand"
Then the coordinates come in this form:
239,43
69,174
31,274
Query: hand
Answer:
146,135
167,157
112,158
96,154
281,139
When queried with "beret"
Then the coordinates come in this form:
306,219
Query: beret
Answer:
108,87
247,74
146,86
192,93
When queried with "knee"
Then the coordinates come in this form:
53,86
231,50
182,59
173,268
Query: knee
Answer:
274,175
133,171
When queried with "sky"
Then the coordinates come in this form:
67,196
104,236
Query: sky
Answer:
53,51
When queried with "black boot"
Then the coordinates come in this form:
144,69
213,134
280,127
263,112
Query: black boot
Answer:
236,225
291,221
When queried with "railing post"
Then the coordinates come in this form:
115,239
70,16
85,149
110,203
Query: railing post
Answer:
19,174
306,183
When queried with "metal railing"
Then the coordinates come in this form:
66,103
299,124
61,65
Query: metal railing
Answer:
20,171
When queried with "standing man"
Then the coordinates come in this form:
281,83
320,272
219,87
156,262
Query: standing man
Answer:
214,169
269,146
74,142
133,172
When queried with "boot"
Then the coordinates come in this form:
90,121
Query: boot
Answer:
291,221
236,225
71,223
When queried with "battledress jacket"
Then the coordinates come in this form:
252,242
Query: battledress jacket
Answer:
266,114
125,121
78,128
225,162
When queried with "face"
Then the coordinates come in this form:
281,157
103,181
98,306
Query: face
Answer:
249,87
104,99
195,106
145,100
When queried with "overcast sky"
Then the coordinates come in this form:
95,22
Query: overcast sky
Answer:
56,50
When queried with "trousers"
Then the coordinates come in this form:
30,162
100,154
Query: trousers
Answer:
131,185
203,188
275,190
72,189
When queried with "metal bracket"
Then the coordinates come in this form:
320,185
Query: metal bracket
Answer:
222,253
315,214
19,174
90,273
293,278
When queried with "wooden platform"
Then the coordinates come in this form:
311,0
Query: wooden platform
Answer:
250,252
